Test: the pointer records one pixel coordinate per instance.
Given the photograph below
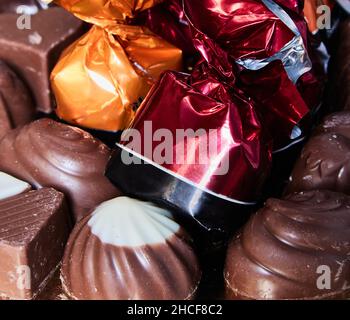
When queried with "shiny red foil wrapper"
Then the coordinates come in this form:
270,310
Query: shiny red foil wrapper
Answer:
248,29
168,21
207,100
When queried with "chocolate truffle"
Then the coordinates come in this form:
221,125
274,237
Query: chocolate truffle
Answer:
296,248
32,53
325,160
16,105
34,228
129,250
50,154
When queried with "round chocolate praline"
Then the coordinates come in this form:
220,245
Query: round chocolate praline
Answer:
284,249
129,250
47,153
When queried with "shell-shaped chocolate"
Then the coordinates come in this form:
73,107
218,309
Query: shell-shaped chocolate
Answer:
296,248
46,153
129,249
325,160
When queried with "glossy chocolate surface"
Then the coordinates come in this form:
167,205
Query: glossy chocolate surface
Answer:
34,228
50,154
289,248
32,52
129,250
325,160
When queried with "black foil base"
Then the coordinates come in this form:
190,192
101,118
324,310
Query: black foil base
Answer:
210,219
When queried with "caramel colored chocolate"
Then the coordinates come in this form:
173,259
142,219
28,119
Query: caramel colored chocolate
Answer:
129,250
50,154
325,160
296,248
16,105
34,228
32,53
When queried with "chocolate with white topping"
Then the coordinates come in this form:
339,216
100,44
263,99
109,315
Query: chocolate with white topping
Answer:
129,249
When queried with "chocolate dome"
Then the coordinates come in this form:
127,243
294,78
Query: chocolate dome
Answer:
283,249
129,249
46,153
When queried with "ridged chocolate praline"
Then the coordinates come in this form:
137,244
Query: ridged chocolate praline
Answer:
129,250
325,160
46,153
281,252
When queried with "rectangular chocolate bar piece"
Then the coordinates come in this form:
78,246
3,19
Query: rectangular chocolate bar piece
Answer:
32,47
34,228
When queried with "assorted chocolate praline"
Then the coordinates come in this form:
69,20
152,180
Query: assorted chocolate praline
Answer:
287,246
47,153
130,250
34,228
67,232
324,162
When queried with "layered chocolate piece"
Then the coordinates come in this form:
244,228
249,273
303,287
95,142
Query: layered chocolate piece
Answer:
129,250
16,105
50,154
34,228
33,47
295,248
325,160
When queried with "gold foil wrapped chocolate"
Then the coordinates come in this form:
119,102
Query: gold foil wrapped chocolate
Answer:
102,77
106,12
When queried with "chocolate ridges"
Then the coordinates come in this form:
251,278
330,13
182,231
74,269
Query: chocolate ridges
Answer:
34,228
129,249
46,153
283,249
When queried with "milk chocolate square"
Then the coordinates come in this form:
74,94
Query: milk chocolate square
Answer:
34,227
32,53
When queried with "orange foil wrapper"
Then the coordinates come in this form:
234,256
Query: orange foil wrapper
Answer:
310,12
106,13
101,78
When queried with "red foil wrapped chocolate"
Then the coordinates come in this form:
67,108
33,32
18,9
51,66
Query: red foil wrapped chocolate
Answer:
269,41
224,160
168,20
